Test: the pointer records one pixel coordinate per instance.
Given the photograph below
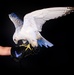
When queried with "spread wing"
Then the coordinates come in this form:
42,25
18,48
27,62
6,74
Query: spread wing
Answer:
18,25
16,20
39,17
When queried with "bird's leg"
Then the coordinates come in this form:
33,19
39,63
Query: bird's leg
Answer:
27,46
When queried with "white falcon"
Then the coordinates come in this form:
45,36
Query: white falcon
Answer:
29,29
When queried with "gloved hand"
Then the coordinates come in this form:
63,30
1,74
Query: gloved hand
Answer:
18,52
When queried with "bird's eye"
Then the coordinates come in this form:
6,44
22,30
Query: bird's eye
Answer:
14,39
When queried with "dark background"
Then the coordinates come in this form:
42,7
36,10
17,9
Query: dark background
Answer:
58,31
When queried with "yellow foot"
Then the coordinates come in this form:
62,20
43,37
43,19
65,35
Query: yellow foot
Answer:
27,46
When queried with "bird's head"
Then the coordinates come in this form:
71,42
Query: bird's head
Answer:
18,41
15,40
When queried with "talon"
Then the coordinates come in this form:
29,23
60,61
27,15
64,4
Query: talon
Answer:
27,46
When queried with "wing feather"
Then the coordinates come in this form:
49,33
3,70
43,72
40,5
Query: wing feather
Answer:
41,16
16,20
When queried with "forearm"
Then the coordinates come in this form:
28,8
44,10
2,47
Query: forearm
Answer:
5,51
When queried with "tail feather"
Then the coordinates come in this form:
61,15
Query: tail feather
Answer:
44,42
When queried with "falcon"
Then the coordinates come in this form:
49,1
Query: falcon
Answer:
29,29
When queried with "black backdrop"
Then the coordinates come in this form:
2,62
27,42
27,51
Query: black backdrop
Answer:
56,31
